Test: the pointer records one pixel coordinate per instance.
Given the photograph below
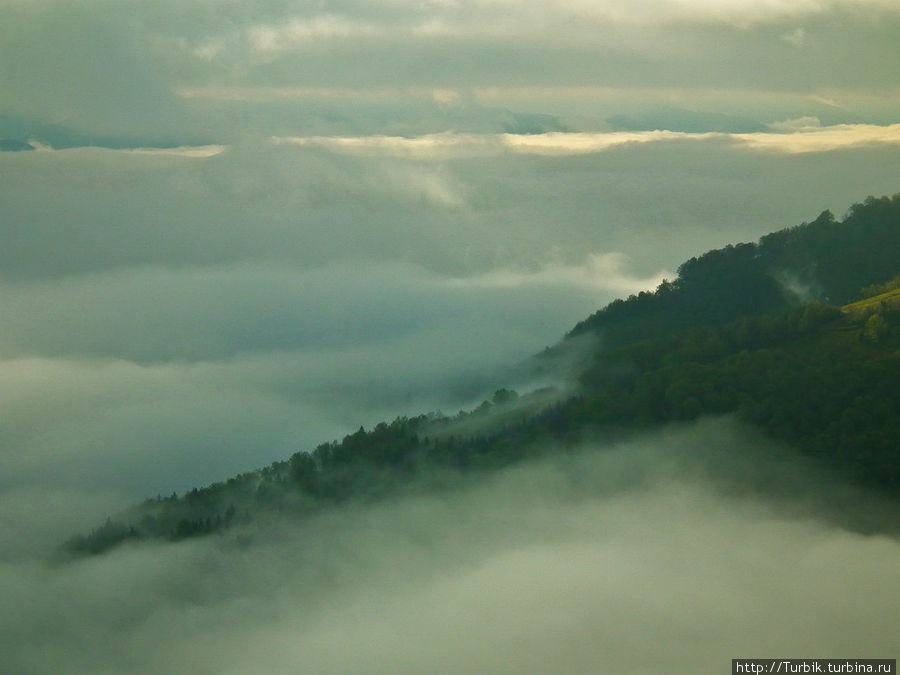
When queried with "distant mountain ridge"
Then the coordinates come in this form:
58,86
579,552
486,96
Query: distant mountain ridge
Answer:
18,133
759,331
686,121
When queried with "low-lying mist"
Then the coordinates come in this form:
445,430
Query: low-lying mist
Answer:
658,554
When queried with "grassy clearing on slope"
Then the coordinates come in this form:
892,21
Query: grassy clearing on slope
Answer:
878,303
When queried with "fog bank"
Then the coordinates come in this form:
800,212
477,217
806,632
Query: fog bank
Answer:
653,555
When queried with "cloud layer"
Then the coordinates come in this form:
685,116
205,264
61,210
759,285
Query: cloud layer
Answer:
322,215
622,559
802,135
174,318
116,68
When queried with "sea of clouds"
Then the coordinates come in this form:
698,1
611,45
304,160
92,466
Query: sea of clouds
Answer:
655,554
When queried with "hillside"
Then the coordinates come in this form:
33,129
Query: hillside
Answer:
752,330
825,260
889,300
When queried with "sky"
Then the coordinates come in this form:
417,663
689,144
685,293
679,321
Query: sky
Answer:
248,227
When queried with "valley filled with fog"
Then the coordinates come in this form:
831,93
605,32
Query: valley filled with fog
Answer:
173,320
651,555
230,232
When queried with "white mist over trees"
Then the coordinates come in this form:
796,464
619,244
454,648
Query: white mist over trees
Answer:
647,555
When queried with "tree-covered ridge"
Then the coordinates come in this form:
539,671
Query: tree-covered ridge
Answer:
818,377
825,260
366,464
814,378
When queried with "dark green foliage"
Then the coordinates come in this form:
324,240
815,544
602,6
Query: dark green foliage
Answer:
110,534
878,289
504,396
824,260
840,257
810,378
876,328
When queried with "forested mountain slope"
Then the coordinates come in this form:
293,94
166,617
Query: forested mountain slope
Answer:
825,260
778,334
